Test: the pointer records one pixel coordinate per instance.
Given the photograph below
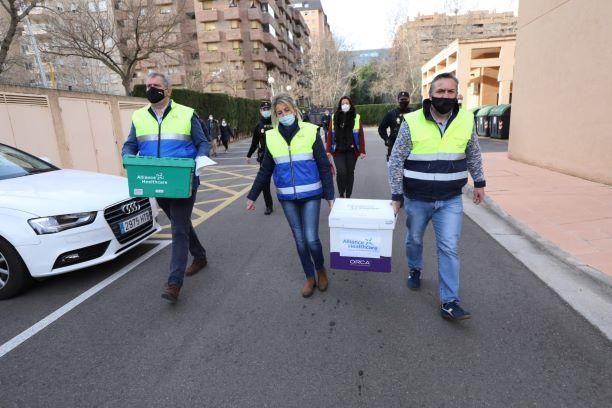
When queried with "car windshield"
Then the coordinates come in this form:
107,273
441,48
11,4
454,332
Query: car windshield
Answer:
15,163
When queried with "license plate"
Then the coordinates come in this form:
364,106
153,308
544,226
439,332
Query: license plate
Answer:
134,222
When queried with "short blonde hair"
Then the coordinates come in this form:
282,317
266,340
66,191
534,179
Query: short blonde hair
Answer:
287,100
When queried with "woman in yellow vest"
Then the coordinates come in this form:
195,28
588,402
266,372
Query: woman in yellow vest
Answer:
345,142
295,158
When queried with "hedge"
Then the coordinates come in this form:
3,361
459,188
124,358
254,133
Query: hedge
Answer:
242,114
372,115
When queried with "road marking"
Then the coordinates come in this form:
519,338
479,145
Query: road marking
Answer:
37,327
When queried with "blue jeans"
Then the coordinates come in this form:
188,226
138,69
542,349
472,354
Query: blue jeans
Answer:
303,218
447,216
184,237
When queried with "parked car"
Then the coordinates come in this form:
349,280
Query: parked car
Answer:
54,221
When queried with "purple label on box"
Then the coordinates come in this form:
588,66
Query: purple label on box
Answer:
382,264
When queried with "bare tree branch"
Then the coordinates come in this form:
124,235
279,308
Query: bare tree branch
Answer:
120,38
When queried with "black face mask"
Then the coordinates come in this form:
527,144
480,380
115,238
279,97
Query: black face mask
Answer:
155,95
443,105
403,105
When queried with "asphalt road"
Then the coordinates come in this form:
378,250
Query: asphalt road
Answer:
242,336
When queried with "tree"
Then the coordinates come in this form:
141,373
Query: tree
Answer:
327,73
361,85
16,11
121,38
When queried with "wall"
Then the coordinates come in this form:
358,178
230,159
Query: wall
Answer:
74,130
561,106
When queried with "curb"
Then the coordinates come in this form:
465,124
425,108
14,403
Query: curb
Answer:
560,254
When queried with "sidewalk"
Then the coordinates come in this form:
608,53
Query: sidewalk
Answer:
573,214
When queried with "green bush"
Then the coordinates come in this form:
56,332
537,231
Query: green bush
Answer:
242,114
372,115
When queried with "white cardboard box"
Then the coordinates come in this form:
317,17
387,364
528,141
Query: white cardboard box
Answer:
361,234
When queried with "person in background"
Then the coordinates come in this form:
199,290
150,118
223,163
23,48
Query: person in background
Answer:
345,143
226,133
295,157
392,121
435,149
211,125
259,143
166,129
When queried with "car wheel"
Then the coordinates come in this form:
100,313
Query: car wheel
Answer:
14,276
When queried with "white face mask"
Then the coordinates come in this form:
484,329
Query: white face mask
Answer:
345,107
223,123
210,118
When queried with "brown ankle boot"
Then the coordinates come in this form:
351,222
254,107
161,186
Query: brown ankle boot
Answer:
171,293
309,287
196,265
322,281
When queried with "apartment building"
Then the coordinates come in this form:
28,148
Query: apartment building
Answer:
426,35
242,44
484,68
315,18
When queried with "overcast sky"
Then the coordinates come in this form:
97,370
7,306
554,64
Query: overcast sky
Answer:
368,24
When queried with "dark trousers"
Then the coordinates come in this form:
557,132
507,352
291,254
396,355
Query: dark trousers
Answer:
268,195
225,141
184,238
345,172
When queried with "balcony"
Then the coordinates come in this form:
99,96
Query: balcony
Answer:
269,39
256,35
233,35
235,55
207,16
258,54
272,58
210,57
232,13
211,36
255,14
259,75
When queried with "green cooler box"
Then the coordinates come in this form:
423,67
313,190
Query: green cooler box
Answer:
166,177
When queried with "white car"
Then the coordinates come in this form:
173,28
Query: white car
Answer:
54,221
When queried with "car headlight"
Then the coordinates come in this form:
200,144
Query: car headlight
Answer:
57,223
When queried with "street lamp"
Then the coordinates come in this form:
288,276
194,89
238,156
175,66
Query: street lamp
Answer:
271,82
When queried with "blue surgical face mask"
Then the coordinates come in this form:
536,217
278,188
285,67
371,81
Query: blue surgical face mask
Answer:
287,120
266,114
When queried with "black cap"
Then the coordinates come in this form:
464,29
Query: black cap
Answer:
265,104
403,94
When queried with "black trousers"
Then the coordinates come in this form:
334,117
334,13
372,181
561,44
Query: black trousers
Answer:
345,172
267,195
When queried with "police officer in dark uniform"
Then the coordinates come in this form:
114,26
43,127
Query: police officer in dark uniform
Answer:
259,143
393,119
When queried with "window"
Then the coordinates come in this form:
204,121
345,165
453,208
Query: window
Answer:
259,85
236,45
216,87
207,4
190,15
102,5
195,55
258,65
212,46
255,25
235,24
210,26
165,11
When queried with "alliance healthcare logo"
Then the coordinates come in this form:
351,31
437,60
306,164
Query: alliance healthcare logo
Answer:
157,179
358,245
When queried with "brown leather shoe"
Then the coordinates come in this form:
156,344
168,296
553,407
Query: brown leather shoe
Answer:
196,265
309,287
171,293
322,281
